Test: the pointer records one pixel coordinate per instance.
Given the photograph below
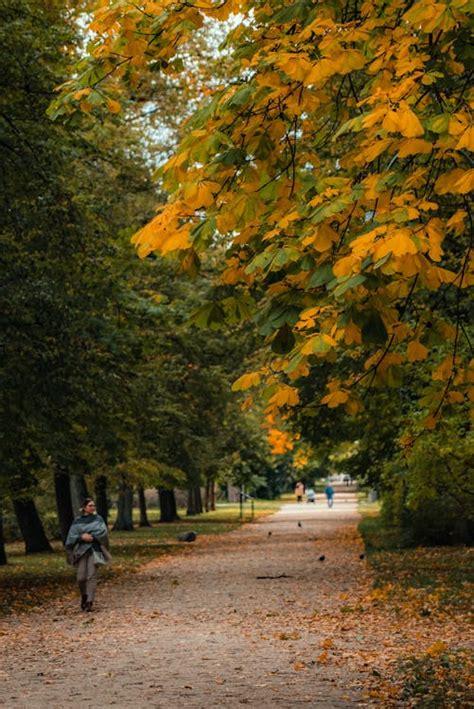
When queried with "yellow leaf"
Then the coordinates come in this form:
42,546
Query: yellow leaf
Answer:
465,183
323,237
399,243
410,125
283,223
455,181
416,352
430,423
226,221
335,398
437,648
177,241
373,151
414,146
443,371
113,106
199,194
81,93
352,334
285,396
344,266
455,397
466,140
391,122
246,381
457,220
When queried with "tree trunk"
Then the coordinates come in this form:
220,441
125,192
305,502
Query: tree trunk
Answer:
78,492
194,501
213,495
207,496
63,502
124,521
168,511
142,505
101,497
31,527
198,499
3,553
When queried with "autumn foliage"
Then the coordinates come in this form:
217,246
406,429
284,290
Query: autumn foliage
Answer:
335,165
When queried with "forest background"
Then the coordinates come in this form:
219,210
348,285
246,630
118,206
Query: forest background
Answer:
312,171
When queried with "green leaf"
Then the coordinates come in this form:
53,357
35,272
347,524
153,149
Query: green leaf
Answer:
382,260
352,282
321,276
209,315
234,156
241,96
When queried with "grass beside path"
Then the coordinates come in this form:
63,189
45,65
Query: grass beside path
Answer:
429,584
28,581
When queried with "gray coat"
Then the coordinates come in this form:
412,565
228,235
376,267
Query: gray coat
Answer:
90,524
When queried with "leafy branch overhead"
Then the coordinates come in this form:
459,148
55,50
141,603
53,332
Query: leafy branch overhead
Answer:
335,163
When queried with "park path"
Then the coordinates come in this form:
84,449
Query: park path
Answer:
202,630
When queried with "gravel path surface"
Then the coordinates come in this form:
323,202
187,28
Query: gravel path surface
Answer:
250,617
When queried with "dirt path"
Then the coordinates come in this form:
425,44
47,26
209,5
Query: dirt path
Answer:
202,630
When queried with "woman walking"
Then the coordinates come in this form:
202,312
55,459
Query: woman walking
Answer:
87,546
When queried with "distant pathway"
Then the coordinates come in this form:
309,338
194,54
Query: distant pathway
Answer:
201,630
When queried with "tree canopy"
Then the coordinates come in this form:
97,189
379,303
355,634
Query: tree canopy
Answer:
334,164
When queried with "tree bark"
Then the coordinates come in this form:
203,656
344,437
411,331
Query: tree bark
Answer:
207,496
101,500
144,522
3,553
31,526
194,501
124,521
63,502
168,511
213,495
78,492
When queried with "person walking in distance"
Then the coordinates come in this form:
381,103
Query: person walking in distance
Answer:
299,491
329,492
87,547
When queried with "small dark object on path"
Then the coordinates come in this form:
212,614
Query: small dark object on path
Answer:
186,536
269,534
299,524
281,576
321,558
361,556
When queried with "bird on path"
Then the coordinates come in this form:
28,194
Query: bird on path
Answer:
269,534
322,557
361,556
299,524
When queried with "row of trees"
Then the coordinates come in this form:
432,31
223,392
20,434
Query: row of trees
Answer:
105,383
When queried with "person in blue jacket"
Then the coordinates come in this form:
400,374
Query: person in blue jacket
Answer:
329,492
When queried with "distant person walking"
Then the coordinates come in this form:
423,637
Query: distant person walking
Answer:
299,491
87,547
329,492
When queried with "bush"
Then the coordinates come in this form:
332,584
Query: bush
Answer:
433,522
